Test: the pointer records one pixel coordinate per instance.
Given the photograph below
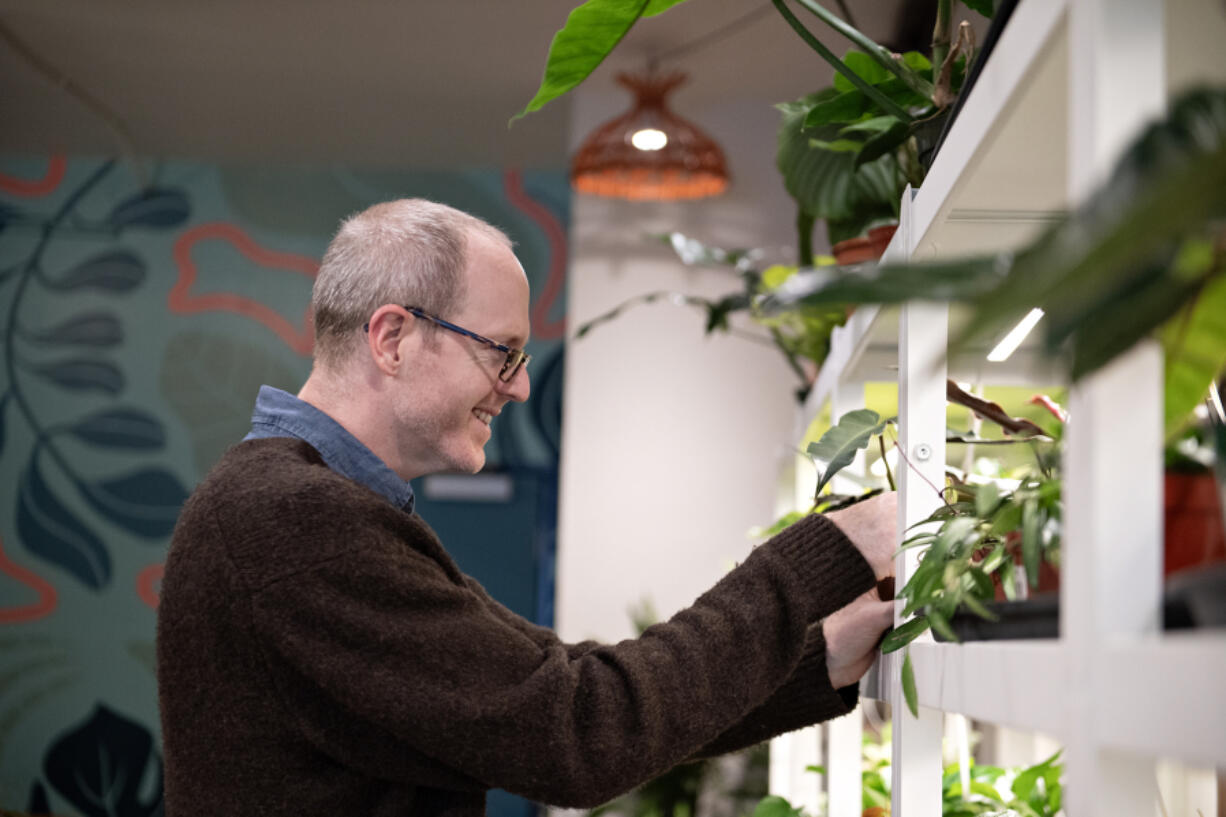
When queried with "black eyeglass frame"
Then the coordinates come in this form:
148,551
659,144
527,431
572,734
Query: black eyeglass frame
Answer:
516,358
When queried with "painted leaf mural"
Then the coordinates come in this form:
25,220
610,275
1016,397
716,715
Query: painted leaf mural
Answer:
107,767
145,502
211,382
55,534
111,271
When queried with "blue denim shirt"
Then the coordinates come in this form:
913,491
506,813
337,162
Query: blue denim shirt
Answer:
281,414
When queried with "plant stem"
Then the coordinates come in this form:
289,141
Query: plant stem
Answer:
920,474
940,36
884,102
804,238
883,57
889,476
10,330
793,363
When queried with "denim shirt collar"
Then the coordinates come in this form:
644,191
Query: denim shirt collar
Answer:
281,414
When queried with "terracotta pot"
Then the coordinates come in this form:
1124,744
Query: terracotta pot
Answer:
865,248
1193,531
880,237
876,811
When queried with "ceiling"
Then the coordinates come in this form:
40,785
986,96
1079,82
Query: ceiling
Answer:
409,83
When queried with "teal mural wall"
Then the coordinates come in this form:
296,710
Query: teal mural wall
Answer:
136,325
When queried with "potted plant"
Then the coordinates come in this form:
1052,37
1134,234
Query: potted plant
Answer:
846,152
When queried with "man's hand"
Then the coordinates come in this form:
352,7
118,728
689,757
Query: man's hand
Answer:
872,526
852,635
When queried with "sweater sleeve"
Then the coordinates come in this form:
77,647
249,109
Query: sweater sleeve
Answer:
805,698
381,652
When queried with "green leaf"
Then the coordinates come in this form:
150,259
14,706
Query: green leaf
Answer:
1031,542
775,806
838,446
993,560
825,183
904,634
867,68
988,791
592,30
941,625
837,145
878,124
987,496
1008,519
846,107
908,685
985,7
977,607
1194,344
883,143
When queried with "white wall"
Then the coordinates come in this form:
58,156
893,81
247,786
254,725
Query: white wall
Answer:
672,441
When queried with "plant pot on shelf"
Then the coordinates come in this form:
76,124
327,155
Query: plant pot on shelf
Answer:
1192,529
868,247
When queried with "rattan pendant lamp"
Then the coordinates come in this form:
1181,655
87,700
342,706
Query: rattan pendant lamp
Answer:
649,153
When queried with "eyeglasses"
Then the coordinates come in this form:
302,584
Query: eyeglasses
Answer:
516,358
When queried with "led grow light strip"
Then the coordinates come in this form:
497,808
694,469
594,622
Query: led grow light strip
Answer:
1014,339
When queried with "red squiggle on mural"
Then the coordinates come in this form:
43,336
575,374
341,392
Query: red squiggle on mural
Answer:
147,584
542,326
183,302
57,166
47,597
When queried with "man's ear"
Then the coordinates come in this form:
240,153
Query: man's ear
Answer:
389,326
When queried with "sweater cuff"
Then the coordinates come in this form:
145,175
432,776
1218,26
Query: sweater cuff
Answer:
826,561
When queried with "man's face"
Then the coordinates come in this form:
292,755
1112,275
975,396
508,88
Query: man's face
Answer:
453,389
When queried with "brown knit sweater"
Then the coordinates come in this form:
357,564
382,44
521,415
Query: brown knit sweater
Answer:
319,653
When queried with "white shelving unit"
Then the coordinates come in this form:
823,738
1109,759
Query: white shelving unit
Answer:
1069,83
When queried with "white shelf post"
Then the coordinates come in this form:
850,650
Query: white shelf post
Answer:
1112,564
844,735
922,337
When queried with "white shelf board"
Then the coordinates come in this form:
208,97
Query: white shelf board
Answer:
1000,177
1160,698
1022,684
1166,697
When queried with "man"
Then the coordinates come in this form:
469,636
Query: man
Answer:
319,653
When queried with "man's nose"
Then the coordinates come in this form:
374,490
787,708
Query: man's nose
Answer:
518,387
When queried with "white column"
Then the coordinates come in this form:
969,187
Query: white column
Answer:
844,735
1112,560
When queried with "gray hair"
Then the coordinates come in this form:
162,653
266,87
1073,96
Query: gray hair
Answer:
409,252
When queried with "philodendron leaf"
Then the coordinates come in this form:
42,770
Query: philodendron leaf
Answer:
940,624
908,685
904,634
985,7
592,30
986,497
838,446
775,806
1031,541
882,143
1194,346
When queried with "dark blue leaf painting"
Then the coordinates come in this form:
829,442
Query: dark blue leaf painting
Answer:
111,271
158,207
4,404
107,767
83,375
121,428
52,533
38,800
84,329
146,502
